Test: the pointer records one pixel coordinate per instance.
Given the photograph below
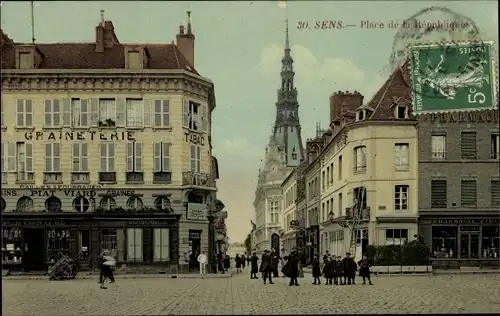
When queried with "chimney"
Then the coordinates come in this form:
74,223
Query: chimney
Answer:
105,35
185,41
344,100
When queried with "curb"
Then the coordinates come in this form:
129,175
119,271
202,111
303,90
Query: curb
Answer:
125,276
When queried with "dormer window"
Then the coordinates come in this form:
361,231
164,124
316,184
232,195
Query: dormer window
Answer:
363,113
401,111
135,57
360,115
25,60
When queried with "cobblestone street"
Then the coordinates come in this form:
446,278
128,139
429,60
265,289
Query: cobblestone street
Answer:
240,295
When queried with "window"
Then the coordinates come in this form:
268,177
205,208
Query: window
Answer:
162,171
107,113
24,204
12,240
331,172
438,143
162,113
323,180
401,112
53,162
24,160
468,191
2,114
134,162
134,242
495,146
53,204
52,113
57,243
401,197
135,113
80,112
162,203
80,166
109,242
340,167
135,203
273,211
468,145
24,113
134,60
161,242
438,193
108,203
328,180
81,204
340,204
107,173
5,158
401,157
360,115
25,60
396,236
360,159
195,116
495,193
195,158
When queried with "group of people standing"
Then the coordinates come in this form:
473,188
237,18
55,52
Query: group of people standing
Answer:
270,263
340,271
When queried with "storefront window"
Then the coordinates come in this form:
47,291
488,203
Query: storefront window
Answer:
491,242
12,246
134,242
109,241
444,241
161,244
57,244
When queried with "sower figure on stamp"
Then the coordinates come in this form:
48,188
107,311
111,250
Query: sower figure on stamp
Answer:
265,267
350,269
254,266
364,269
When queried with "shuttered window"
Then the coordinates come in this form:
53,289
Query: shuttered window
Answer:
495,193
468,145
468,191
438,193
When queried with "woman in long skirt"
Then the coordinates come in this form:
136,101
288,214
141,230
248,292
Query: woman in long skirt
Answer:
106,263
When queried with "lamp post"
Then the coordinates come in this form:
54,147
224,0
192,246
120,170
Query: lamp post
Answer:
211,243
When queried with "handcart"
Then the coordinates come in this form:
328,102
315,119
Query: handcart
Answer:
64,269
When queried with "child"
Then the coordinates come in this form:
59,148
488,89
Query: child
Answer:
337,271
316,270
364,270
328,271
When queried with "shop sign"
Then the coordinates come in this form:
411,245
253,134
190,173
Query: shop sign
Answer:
34,223
66,193
494,221
71,136
60,187
219,237
194,234
469,228
196,211
194,138
440,221
149,222
464,117
120,192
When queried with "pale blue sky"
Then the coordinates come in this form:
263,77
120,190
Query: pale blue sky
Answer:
239,46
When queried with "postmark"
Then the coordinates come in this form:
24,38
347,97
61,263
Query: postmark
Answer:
452,77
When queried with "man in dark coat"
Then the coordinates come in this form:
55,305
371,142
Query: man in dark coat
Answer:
275,259
350,268
254,266
337,270
364,269
265,267
316,270
291,268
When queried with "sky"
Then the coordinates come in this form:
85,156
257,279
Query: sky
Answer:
239,46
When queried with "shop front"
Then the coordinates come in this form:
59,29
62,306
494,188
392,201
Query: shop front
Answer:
466,241
35,241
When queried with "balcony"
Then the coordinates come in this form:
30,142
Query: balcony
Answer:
364,213
197,179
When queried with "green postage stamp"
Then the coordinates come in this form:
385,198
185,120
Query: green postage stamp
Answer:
453,77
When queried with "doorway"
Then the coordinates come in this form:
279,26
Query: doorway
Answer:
195,247
469,245
34,254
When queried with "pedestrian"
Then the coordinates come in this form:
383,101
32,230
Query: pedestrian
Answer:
350,268
364,269
291,268
301,260
249,256
243,261
254,268
106,264
275,259
265,267
328,270
326,256
227,263
282,261
237,261
220,262
202,261
316,270
337,270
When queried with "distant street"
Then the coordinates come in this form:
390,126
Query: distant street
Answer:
240,295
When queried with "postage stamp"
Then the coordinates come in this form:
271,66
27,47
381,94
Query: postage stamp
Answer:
460,77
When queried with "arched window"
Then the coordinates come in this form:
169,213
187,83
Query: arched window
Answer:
24,204
162,202
3,205
135,203
108,203
53,204
80,204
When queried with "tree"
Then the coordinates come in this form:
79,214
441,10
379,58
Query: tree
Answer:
248,243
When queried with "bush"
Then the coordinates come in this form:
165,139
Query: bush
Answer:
410,254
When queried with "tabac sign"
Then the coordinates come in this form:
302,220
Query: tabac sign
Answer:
452,77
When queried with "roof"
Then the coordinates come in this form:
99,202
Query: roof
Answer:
85,56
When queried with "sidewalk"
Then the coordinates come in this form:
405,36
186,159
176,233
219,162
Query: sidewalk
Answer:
95,275
454,271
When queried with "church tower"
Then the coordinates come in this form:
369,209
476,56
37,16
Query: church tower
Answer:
286,130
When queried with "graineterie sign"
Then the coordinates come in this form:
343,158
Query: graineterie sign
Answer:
34,223
71,136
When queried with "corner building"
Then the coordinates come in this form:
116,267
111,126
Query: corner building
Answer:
105,146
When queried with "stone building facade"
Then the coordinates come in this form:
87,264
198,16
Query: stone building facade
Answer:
106,146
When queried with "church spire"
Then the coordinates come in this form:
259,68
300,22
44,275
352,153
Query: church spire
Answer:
287,40
287,73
